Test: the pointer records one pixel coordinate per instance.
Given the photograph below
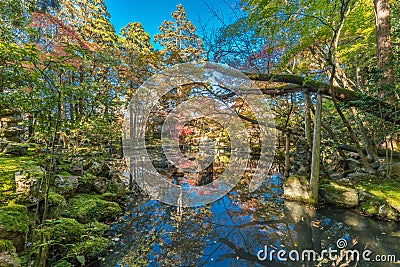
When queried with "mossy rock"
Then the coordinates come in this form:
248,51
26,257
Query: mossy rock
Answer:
14,225
387,189
69,238
56,199
339,195
379,208
15,207
26,183
108,196
92,248
67,231
57,204
117,186
97,228
66,185
90,207
85,183
8,166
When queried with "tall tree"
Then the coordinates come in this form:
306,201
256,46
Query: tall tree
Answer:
138,58
91,19
179,38
384,41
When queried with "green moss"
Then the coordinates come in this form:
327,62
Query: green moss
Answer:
8,166
87,177
68,239
378,207
109,196
65,173
12,220
90,207
91,248
6,245
339,195
97,228
57,204
56,199
387,189
15,207
67,231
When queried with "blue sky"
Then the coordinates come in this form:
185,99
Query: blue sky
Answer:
152,13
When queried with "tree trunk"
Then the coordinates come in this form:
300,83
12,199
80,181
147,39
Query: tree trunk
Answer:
316,149
307,125
287,154
383,41
371,151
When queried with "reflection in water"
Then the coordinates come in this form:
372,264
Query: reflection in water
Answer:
232,230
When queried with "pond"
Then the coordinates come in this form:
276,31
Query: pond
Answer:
248,229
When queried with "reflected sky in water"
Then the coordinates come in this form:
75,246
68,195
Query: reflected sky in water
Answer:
231,231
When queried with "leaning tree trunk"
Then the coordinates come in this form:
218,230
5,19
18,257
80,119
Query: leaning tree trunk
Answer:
316,149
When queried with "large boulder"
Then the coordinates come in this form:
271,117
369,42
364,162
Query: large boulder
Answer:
27,181
339,195
296,188
66,185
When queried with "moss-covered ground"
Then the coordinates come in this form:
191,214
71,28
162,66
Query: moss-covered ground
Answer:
73,231
387,189
8,166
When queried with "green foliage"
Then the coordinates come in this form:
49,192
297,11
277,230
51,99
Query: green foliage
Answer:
71,242
63,263
305,32
179,39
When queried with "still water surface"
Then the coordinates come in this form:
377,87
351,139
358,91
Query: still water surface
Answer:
233,230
